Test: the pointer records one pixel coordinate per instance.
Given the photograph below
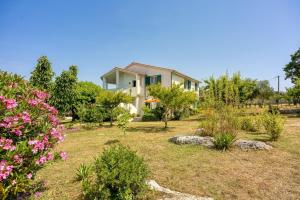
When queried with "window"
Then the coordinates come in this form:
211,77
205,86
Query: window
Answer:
196,86
187,84
152,79
134,83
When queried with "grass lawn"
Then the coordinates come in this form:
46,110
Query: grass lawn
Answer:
197,170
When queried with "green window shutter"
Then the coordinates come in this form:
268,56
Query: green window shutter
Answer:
147,80
189,85
159,78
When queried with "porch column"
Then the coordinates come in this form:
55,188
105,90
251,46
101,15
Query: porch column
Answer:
138,84
117,78
104,83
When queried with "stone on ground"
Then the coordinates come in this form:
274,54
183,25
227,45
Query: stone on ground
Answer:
205,141
251,144
173,195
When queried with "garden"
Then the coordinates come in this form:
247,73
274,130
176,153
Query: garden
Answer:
62,138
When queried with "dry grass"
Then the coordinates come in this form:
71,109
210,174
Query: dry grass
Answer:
189,168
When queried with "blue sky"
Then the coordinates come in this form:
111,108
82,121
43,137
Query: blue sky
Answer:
199,38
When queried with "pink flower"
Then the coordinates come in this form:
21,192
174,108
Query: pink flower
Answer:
29,176
37,194
50,156
14,182
33,102
7,144
10,103
63,155
5,170
54,121
57,135
26,117
18,159
41,160
41,95
17,132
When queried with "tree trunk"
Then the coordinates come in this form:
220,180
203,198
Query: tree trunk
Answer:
111,118
166,119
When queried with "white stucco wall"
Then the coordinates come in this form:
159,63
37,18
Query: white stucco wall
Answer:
177,79
124,80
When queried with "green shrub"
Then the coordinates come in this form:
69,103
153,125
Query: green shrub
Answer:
83,172
123,121
223,141
273,124
155,114
251,123
90,113
119,174
182,114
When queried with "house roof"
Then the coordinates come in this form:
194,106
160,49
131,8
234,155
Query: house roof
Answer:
122,70
163,68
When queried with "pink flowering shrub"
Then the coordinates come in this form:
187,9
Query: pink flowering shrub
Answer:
29,129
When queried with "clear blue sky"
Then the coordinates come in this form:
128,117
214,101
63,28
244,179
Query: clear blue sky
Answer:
199,38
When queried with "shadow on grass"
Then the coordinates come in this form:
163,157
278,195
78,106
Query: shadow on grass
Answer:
149,129
262,138
109,142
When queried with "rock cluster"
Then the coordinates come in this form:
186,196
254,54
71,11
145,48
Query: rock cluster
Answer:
208,142
192,139
173,195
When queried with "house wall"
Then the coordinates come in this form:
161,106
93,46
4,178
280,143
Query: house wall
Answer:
177,79
165,74
124,80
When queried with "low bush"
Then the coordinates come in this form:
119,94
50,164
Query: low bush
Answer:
91,113
118,174
273,124
155,114
251,123
223,141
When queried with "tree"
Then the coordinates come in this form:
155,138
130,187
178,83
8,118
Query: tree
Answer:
110,100
172,98
87,92
64,93
265,91
41,76
123,121
292,69
294,92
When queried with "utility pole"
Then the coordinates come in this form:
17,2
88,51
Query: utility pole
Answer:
278,84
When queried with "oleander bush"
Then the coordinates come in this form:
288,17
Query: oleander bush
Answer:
118,173
29,129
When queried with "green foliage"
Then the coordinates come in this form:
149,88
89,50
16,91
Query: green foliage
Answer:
251,123
83,172
172,98
273,124
90,113
155,114
87,92
265,91
111,101
123,121
223,141
292,69
294,92
119,174
64,95
229,90
41,76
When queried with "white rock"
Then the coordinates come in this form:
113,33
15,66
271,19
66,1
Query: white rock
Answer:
205,141
250,144
174,195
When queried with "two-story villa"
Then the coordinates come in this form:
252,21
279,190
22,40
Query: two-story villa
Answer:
134,78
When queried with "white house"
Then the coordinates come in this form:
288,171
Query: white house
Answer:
134,78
